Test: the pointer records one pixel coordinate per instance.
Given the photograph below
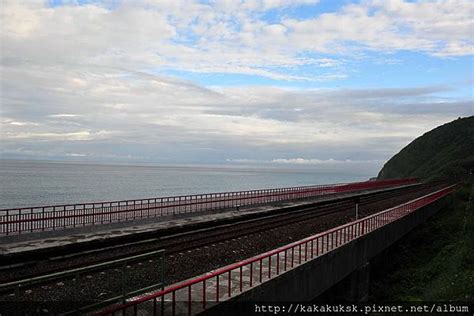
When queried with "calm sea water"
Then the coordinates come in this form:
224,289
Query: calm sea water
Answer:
35,183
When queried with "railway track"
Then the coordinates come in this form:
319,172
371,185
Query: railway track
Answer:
181,244
182,241
260,224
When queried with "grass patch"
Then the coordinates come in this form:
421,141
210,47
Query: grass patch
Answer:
434,262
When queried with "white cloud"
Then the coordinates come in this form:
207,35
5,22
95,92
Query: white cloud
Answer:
81,79
82,135
226,36
61,115
75,155
314,161
154,115
439,28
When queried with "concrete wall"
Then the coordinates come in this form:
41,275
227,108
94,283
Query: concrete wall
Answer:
311,279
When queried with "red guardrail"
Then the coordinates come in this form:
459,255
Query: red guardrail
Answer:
42,218
243,275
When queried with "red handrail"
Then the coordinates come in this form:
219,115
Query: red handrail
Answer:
73,215
336,236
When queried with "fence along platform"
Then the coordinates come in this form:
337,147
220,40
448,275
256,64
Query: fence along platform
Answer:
201,292
56,217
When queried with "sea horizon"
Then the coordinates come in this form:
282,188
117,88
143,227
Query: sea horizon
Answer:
27,183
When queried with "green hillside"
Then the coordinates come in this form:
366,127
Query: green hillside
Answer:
434,262
444,152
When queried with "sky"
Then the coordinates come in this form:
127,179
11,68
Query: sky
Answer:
329,85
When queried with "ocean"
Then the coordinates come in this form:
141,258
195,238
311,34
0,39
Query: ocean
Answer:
37,183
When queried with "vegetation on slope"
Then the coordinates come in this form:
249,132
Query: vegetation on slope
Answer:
435,262
446,152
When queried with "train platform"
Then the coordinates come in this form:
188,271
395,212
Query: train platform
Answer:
299,270
154,228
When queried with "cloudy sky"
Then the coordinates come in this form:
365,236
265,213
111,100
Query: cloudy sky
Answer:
322,84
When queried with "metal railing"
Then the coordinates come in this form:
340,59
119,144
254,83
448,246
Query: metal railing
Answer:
231,280
43,218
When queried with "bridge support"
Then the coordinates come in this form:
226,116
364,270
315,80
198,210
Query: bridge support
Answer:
359,284
353,288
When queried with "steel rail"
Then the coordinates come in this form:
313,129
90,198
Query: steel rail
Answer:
198,237
331,239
